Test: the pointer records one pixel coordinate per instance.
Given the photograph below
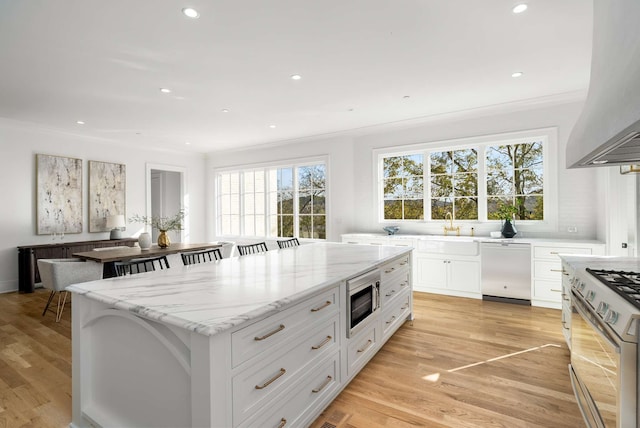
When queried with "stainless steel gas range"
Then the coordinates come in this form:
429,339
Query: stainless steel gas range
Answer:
605,314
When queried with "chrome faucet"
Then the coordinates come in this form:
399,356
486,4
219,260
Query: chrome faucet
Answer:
450,228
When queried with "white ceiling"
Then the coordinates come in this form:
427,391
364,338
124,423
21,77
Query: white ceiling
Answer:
103,62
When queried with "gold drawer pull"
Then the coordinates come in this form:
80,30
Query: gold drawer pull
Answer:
273,379
390,293
404,284
324,342
283,422
389,270
270,334
555,270
404,307
367,346
326,382
327,303
402,263
391,320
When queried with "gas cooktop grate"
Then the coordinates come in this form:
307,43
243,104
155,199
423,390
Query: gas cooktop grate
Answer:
626,284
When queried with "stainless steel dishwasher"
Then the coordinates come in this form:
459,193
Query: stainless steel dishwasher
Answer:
506,271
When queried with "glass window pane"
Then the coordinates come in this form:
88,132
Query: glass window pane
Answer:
259,203
441,162
249,206
500,182
465,160
259,226
392,166
441,186
319,227
414,187
530,182
319,176
499,157
249,228
305,178
305,227
393,188
466,184
319,203
249,185
285,226
304,203
234,204
413,165
534,208
285,179
493,203
414,209
528,155
286,203
234,184
440,207
393,210
235,224
466,209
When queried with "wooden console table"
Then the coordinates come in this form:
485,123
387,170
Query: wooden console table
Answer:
28,274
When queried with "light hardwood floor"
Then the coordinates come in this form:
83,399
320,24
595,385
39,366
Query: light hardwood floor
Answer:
463,363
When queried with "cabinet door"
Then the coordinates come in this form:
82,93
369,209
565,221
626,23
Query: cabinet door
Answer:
431,272
464,275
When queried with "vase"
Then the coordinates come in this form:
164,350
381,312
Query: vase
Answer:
508,229
163,239
144,240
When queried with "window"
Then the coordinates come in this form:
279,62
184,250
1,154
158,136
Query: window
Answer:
404,187
469,181
283,201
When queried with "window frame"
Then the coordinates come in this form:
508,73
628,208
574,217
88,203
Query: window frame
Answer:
548,136
295,164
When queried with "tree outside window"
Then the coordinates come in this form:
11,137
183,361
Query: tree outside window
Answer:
403,183
311,202
515,177
454,184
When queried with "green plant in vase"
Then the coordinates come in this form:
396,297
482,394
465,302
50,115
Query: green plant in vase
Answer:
162,225
507,213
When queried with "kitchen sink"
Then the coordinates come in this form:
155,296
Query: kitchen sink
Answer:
455,245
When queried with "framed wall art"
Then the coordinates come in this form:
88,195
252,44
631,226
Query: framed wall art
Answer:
107,193
58,194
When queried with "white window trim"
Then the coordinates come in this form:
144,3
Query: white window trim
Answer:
549,137
282,163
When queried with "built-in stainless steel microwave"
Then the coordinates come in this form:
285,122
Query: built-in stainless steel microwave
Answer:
363,300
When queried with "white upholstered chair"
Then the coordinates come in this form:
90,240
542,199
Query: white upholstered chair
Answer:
57,274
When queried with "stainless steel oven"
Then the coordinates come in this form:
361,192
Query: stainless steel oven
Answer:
363,299
603,366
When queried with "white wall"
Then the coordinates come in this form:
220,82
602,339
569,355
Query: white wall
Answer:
351,175
19,146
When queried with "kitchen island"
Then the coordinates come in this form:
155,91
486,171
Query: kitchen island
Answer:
258,340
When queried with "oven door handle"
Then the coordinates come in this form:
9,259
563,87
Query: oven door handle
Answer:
577,390
598,326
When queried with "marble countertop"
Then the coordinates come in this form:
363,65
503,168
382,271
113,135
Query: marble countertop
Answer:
579,263
477,238
212,297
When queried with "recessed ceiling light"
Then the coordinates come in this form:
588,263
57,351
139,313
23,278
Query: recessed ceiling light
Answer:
165,90
519,8
517,74
225,110
190,12
296,77
406,97
187,143
80,122
599,162
272,126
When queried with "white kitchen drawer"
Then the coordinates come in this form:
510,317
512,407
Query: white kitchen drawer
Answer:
256,385
270,333
362,347
289,411
547,290
399,242
393,286
396,315
551,270
394,267
552,252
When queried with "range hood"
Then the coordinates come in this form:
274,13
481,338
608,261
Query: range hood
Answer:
608,129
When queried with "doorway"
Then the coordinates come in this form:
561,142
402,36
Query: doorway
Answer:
165,195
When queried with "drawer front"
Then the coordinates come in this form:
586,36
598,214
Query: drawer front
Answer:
268,334
401,242
548,290
396,315
291,408
552,252
396,267
258,384
394,286
551,270
361,348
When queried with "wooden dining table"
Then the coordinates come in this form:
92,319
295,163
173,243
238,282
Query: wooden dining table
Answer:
117,254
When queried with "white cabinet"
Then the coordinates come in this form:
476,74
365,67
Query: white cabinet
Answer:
459,276
547,269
